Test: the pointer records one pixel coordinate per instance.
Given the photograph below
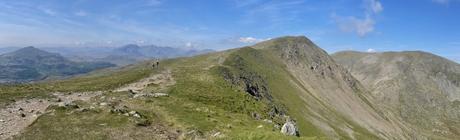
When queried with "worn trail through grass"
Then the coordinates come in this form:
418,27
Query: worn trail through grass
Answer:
19,115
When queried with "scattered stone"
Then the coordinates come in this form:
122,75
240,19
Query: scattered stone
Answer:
137,115
132,91
155,95
119,111
32,111
137,95
2,120
143,122
160,95
217,134
69,104
132,112
260,126
268,121
83,109
290,128
20,109
277,127
22,115
103,104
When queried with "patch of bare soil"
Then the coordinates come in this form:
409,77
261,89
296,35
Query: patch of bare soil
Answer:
20,114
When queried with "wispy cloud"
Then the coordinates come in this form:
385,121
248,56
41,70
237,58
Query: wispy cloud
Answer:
352,24
370,50
361,26
373,6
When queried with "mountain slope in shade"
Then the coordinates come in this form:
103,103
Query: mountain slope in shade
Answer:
421,88
31,64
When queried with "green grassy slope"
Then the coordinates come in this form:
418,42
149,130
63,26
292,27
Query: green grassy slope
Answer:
200,104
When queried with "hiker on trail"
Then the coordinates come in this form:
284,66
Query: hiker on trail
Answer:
158,62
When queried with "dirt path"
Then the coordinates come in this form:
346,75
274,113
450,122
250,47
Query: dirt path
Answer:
163,80
17,116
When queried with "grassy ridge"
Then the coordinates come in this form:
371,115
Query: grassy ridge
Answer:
201,102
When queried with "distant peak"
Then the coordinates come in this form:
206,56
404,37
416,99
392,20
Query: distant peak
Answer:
29,48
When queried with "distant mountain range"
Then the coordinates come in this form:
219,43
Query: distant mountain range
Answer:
127,54
32,64
132,53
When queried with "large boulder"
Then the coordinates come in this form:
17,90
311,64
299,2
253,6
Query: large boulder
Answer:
290,128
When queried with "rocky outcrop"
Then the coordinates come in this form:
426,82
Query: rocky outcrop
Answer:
290,128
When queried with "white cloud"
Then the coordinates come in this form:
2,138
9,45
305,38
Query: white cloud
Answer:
370,50
360,26
374,6
250,40
81,13
188,44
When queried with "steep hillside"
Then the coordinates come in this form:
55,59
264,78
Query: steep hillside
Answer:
30,64
322,94
422,88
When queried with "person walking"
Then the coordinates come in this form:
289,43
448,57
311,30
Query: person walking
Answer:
158,62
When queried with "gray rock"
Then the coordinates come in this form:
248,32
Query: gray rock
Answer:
155,95
290,128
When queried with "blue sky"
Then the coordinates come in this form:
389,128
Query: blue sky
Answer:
362,25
